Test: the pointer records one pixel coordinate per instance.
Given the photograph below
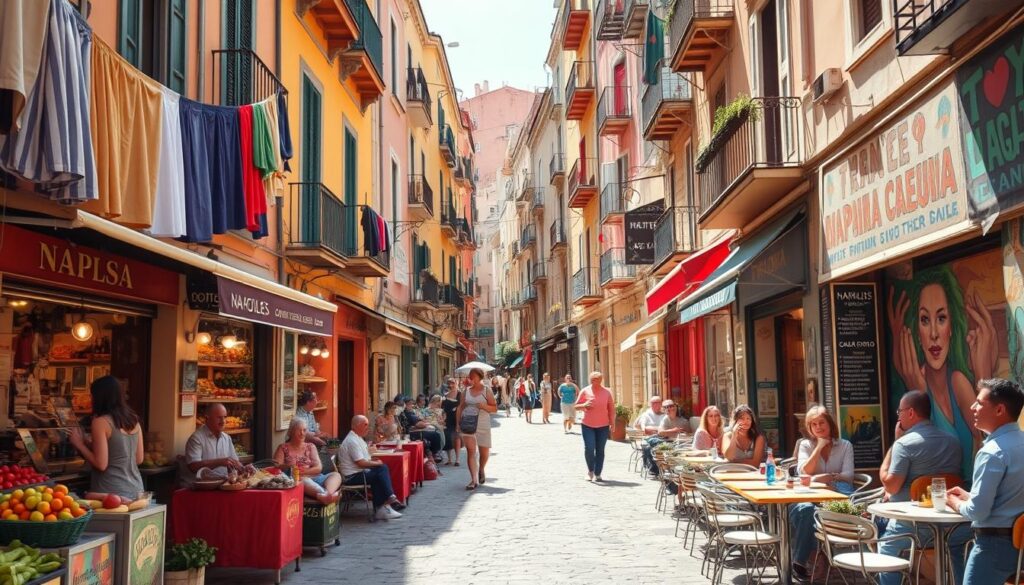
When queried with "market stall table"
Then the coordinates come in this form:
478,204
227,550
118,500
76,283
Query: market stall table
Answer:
399,467
941,523
260,529
418,452
778,500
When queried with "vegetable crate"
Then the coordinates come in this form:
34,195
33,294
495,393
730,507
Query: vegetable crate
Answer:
91,561
321,525
140,543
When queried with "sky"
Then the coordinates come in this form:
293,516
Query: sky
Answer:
501,41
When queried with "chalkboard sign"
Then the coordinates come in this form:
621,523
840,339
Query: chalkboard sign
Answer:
639,228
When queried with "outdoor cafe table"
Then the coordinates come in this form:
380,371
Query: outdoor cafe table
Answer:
778,500
941,523
417,450
400,470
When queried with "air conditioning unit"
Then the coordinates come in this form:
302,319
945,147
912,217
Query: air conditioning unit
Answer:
827,84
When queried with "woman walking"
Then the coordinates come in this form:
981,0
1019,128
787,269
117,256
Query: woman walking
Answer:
598,406
568,392
450,405
478,402
529,397
545,397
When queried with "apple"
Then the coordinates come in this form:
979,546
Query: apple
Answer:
111,501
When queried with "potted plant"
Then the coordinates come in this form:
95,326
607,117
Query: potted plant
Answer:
845,507
186,562
622,416
728,119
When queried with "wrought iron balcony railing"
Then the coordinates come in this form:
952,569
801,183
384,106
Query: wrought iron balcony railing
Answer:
241,77
675,233
585,284
614,267
420,193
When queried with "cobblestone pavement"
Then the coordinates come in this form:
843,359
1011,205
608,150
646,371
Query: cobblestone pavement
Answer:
536,518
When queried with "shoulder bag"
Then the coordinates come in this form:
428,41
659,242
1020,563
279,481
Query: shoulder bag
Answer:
470,419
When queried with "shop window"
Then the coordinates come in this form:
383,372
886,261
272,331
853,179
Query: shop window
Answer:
225,374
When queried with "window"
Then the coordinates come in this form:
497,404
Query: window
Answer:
394,58
394,189
153,40
869,15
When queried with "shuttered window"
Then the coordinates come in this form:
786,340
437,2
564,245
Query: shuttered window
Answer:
129,34
176,46
311,157
351,192
870,15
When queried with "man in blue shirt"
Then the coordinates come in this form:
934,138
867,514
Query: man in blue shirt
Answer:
996,498
921,449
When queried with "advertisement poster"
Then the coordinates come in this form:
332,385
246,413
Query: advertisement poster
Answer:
146,550
767,400
93,566
862,426
947,329
900,190
991,88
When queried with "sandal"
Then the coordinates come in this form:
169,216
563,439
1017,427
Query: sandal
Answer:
456,464
482,478
470,487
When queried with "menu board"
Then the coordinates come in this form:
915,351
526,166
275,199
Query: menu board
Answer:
855,350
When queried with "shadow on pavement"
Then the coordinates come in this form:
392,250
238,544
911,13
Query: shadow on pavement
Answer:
615,483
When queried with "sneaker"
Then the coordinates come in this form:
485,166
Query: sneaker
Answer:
598,478
383,513
391,514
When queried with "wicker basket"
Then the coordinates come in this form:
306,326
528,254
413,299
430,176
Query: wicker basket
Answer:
44,534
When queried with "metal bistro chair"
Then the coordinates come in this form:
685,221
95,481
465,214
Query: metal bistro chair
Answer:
725,467
733,526
860,536
691,506
922,484
636,442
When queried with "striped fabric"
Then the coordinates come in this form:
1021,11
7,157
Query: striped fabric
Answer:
53,148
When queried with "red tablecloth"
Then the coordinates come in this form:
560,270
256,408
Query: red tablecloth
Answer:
417,450
400,469
261,529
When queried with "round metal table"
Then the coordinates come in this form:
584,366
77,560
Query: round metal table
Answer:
941,524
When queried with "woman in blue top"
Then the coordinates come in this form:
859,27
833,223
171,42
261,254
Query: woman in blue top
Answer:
568,393
932,323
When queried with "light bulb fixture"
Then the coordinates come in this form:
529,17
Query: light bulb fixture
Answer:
204,338
17,303
82,330
325,354
315,351
304,350
229,341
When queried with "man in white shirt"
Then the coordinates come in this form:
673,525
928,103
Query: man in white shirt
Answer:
210,447
358,468
649,422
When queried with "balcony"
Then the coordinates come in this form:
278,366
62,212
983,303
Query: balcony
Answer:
538,202
615,273
528,237
585,289
325,233
421,198
449,219
750,164
363,61
527,187
699,34
513,250
556,169
610,19
666,106
511,300
451,299
428,294
556,236
557,103
466,240
529,294
540,273
635,12
556,318
675,238
579,90
614,110
364,259
575,21
417,99
244,78
446,142
928,27
613,202
582,182
462,173
337,21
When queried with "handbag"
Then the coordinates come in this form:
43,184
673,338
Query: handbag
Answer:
470,418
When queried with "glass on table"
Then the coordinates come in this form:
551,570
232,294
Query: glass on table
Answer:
805,480
939,498
938,483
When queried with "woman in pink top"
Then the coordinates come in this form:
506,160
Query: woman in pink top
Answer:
598,407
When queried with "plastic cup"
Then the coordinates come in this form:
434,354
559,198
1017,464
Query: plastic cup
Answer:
805,480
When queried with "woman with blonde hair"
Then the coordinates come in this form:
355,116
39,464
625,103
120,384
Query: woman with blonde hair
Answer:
296,452
710,432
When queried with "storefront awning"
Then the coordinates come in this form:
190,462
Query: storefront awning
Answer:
392,326
83,219
688,274
649,329
719,288
516,362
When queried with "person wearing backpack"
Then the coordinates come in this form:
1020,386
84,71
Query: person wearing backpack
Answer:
474,417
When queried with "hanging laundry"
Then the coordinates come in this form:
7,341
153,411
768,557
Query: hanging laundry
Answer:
23,23
53,148
284,130
382,233
371,238
223,143
169,206
127,107
274,184
196,164
252,178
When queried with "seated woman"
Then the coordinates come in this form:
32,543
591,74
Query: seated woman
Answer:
828,459
744,443
710,431
434,414
297,452
386,427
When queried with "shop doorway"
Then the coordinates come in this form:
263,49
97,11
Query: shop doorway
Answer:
346,386
778,373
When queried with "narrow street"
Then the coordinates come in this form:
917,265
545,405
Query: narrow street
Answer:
536,518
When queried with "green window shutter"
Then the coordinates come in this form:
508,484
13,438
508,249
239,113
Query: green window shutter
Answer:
129,32
176,65
409,385
311,128
351,194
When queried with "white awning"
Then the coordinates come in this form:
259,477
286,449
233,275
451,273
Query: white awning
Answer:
649,329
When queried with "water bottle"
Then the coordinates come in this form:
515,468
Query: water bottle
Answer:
770,468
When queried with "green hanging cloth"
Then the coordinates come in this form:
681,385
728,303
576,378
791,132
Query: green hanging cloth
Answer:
654,49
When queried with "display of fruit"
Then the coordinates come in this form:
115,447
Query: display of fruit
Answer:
112,503
43,504
21,563
216,353
232,381
12,476
154,455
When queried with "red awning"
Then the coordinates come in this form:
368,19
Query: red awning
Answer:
689,274
466,343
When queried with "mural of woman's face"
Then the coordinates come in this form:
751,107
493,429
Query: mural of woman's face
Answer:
934,327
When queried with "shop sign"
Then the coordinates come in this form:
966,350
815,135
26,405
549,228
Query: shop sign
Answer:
855,345
781,267
991,88
55,260
252,304
146,549
713,301
639,228
900,188
201,290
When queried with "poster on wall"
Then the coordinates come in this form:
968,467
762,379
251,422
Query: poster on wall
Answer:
991,87
947,329
901,189
857,377
1013,276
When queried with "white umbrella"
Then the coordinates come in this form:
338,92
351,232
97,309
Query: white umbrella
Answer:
464,369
